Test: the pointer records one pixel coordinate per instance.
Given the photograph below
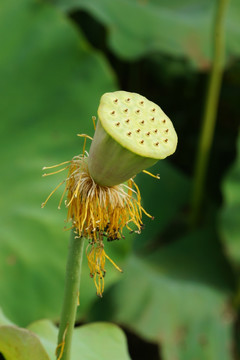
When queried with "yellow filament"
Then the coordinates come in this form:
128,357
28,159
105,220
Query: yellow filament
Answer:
75,192
56,172
60,202
94,123
148,173
54,166
96,262
150,216
61,345
84,145
44,203
84,135
111,261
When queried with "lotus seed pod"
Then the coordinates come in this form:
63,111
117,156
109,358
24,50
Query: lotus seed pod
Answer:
132,134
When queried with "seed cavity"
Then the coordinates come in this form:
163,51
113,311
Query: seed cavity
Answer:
166,131
166,140
148,133
156,144
127,121
164,121
152,118
129,133
138,130
155,131
142,122
113,112
153,110
116,100
142,141
126,110
141,102
128,99
138,111
117,124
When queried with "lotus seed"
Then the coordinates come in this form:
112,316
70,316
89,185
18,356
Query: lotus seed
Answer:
126,110
138,130
148,133
113,112
118,123
142,122
166,140
127,121
142,141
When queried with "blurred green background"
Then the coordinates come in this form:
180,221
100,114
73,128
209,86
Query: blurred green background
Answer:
179,295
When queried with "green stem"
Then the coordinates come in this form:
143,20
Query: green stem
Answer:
71,296
210,112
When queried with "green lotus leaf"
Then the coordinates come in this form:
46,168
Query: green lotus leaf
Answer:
182,29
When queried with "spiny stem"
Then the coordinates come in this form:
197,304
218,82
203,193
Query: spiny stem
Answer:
71,296
210,112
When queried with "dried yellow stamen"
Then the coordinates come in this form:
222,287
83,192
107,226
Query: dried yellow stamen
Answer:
54,166
56,172
44,203
84,135
150,174
96,263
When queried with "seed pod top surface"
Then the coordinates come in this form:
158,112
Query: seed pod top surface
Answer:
137,124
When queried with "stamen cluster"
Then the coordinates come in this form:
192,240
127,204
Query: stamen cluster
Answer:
99,212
